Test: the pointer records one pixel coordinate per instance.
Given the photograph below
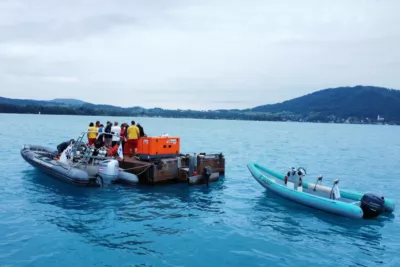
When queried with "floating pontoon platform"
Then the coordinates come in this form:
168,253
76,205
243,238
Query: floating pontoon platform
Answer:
191,169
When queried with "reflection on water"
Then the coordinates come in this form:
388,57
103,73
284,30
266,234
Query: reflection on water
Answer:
132,219
140,213
298,223
46,222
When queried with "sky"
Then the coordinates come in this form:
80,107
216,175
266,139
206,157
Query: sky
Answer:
191,54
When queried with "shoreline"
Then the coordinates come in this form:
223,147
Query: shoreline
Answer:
205,118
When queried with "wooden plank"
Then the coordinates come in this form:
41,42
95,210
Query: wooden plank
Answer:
167,171
144,170
133,160
213,163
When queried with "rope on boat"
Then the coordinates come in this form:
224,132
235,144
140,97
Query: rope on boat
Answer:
136,168
143,171
133,168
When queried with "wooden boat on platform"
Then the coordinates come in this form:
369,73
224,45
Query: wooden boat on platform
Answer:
158,161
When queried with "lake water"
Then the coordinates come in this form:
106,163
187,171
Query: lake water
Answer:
235,222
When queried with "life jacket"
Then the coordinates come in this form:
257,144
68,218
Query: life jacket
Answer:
113,150
123,133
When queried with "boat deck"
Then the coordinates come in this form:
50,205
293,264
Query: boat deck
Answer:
319,193
142,169
184,168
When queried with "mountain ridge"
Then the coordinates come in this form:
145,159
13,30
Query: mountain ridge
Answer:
357,104
367,101
69,101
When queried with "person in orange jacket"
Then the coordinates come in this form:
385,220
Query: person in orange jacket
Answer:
113,151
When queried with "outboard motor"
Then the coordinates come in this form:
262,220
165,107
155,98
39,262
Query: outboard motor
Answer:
109,170
207,174
372,205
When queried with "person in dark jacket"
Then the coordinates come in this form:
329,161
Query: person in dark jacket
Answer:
99,141
61,147
141,131
108,138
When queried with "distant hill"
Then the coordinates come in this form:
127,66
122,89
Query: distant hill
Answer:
358,101
12,101
359,104
55,102
68,101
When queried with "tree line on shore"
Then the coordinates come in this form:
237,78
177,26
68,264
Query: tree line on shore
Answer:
359,104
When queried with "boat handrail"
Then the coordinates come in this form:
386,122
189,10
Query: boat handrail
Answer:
83,134
100,133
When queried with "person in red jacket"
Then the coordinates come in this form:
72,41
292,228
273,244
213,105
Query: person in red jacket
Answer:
113,151
123,134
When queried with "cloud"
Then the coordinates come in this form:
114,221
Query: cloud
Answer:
55,30
61,79
186,54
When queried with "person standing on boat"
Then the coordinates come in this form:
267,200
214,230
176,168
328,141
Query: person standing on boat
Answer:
100,129
141,131
123,134
116,131
100,135
108,136
61,147
133,137
99,141
92,133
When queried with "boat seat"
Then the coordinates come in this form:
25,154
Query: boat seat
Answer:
290,185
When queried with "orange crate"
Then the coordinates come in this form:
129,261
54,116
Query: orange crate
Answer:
158,147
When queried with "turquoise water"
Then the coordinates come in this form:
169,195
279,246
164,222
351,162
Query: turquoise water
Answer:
235,222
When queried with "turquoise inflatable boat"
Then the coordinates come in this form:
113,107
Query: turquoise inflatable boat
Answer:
329,199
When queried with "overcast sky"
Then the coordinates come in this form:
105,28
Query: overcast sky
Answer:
195,54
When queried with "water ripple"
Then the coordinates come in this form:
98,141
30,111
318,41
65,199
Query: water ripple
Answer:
235,222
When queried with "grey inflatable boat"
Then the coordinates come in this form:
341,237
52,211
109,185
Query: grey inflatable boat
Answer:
78,164
44,158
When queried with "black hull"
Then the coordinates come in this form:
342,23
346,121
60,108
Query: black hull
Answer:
41,158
